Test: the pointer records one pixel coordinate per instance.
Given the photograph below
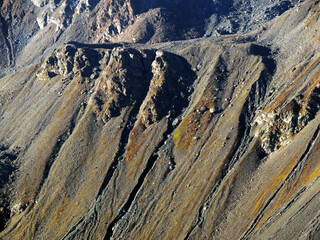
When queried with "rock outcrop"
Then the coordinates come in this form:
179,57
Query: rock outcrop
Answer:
207,138
32,29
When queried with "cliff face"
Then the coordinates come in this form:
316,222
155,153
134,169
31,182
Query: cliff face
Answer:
32,29
210,138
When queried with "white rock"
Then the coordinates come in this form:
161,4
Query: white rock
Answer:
39,3
159,53
18,208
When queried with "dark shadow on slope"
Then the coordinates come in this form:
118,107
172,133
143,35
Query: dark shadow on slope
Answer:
86,45
259,50
177,102
5,31
174,95
7,168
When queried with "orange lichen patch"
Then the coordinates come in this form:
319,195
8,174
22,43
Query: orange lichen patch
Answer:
281,98
60,212
307,69
289,189
208,97
64,215
285,194
258,203
186,131
314,85
136,140
196,120
146,144
205,120
313,175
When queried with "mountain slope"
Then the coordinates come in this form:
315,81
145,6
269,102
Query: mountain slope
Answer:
212,138
34,28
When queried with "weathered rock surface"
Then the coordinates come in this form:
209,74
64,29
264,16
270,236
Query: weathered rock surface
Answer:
32,29
212,138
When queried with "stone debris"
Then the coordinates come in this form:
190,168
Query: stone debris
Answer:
18,208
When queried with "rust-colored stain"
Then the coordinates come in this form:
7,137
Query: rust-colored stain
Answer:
272,186
136,140
287,191
194,121
257,204
313,175
185,132
314,85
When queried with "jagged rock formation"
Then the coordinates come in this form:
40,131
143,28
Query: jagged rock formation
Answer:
32,29
212,138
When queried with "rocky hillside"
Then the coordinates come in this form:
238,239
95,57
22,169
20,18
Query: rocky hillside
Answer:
206,138
32,29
